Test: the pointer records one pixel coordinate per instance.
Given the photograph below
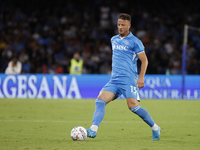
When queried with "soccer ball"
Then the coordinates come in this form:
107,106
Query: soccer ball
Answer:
78,133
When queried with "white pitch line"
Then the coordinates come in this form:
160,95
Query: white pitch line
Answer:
54,121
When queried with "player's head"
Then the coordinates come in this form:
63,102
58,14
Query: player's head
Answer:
124,24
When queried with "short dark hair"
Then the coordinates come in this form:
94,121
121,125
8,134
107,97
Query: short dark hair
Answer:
125,16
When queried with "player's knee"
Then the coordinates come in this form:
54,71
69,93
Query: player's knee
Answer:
132,103
131,106
106,96
102,98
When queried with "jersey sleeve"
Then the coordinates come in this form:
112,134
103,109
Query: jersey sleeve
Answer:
112,39
138,47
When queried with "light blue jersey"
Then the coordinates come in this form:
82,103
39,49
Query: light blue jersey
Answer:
123,82
124,66
124,58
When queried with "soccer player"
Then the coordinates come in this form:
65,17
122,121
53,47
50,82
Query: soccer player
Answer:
124,78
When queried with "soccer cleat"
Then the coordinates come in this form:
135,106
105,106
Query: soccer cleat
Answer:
156,134
90,133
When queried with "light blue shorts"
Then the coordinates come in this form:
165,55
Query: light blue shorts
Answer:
129,90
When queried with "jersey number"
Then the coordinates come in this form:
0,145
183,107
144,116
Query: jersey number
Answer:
133,89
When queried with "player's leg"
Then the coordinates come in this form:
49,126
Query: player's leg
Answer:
133,105
131,92
107,96
104,98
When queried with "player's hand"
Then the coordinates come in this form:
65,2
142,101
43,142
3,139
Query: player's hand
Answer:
140,82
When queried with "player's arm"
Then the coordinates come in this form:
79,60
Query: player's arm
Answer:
144,63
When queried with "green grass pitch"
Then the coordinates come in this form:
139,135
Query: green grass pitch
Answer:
45,124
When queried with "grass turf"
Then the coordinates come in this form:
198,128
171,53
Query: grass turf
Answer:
32,124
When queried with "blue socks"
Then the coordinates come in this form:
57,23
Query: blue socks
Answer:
142,113
99,111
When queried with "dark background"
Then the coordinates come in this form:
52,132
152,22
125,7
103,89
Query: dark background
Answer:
44,35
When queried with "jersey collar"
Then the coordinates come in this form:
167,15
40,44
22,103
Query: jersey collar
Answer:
130,34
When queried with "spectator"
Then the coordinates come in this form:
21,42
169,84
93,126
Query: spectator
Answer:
54,33
14,67
76,64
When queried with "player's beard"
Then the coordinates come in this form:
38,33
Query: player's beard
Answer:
122,34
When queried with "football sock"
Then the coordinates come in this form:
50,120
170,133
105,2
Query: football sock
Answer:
142,113
155,127
99,113
94,128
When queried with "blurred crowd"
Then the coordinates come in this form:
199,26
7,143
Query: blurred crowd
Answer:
45,35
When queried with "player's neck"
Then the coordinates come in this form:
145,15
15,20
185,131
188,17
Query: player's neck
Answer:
124,35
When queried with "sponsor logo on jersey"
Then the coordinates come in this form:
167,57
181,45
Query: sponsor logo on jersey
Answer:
119,47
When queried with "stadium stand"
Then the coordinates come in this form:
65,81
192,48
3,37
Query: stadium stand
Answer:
44,35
